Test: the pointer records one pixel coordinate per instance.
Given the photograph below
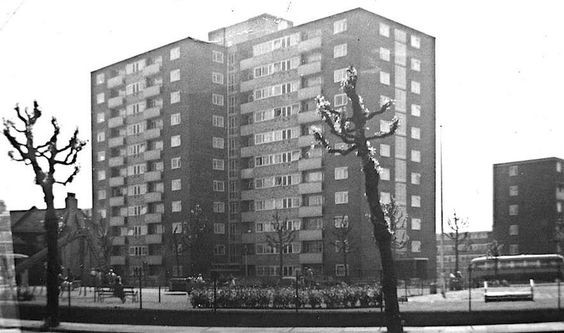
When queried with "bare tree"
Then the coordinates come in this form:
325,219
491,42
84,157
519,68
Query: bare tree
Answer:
351,130
44,159
281,239
458,235
494,251
343,244
103,240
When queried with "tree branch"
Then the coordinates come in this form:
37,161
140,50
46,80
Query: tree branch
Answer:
383,108
380,135
321,139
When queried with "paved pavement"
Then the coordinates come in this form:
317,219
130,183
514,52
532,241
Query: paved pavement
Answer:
14,325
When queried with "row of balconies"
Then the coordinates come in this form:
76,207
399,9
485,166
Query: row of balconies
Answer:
148,198
149,239
150,260
304,211
119,80
303,165
302,141
281,54
304,258
116,221
264,104
302,188
148,176
148,92
301,235
301,118
302,70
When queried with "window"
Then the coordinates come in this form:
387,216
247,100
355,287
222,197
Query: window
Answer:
384,174
218,121
100,117
175,53
513,190
384,54
341,173
384,30
176,184
175,163
415,87
415,246
217,78
341,197
558,167
415,41
217,57
174,119
218,164
101,195
514,230
218,207
174,97
101,137
415,110
340,100
513,170
513,210
339,75
384,150
341,221
219,228
559,207
100,78
218,143
415,64
385,78
217,99
415,223
340,270
175,75
400,35
135,66
416,156
176,206
219,250
134,88
340,50
416,133
385,197
101,156
175,141
219,186
100,98
415,201
415,178
513,248
339,26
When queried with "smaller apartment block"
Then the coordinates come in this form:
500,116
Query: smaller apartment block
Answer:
473,246
528,206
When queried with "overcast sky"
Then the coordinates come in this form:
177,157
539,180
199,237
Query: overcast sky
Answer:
499,71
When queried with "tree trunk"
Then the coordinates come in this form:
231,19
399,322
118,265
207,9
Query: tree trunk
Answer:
345,261
456,252
281,258
53,268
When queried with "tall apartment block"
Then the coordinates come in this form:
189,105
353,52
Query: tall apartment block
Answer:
528,200
227,124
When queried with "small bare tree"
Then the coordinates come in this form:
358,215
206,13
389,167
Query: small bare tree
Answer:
281,239
343,244
102,238
44,159
352,131
397,220
459,235
494,251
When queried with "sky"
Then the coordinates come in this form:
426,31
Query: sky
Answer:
499,67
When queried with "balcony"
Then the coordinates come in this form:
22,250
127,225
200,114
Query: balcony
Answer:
117,201
247,173
309,92
306,140
152,69
309,44
152,91
152,176
152,133
153,197
115,142
311,258
311,68
153,218
306,188
310,211
154,239
154,260
270,102
114,102
310,235
116,221
308,117
116,181
151,155
115,122
115,81
309,164
151,113
117,260
115,161
118,240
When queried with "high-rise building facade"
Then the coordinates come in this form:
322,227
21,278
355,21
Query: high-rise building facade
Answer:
269,74
528,206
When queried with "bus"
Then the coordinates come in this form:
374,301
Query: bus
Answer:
517,268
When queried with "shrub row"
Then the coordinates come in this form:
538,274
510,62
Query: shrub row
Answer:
333,297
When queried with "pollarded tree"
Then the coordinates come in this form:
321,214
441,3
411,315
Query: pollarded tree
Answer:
351,130
458,235
281,238
45,158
